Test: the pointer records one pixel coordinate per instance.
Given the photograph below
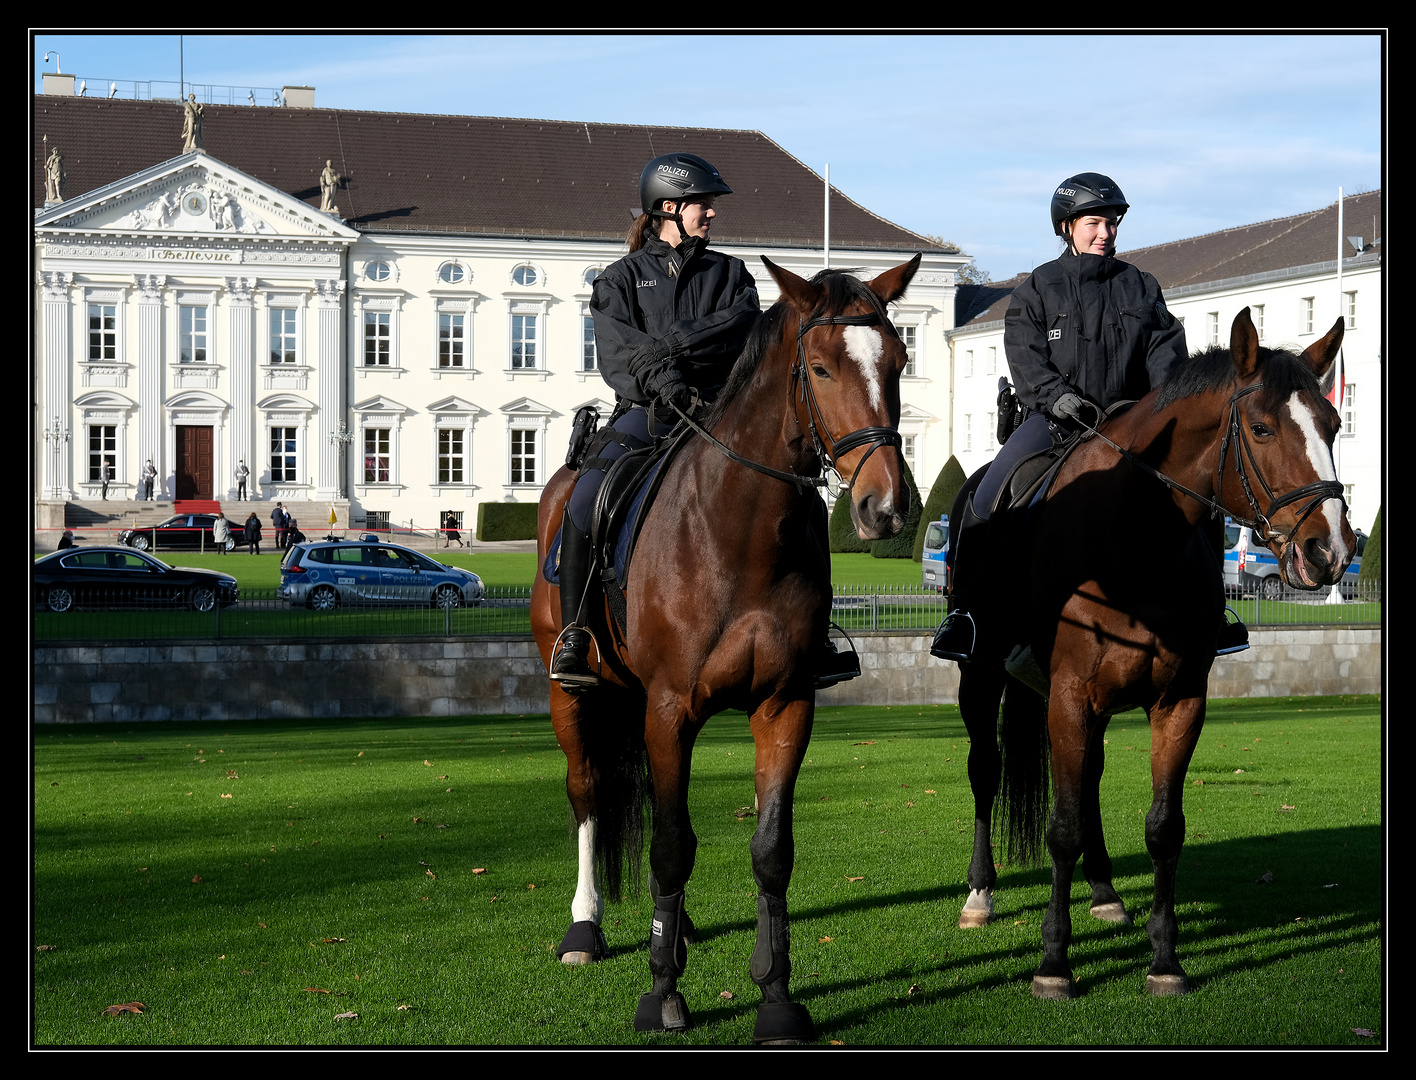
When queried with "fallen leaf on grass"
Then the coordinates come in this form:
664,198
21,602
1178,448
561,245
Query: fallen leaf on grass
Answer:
334,941
868,742
347,1016
427,762
45,948
479,870
1366,1034
861,878
825,939
226,796
744,811
401,1008
231,774
913,988
1266,878
197,880
315,990
431,874
726,995
930,791
1281,808
130,1007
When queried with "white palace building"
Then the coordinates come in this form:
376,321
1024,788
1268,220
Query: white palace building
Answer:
418,348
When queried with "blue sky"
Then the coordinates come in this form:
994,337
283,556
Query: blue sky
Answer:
959,136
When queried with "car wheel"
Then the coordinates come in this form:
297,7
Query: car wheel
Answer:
323,598
141,541
447,596
59,599
1271,588
203,598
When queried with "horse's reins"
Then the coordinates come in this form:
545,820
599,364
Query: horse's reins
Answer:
876,436
1317,492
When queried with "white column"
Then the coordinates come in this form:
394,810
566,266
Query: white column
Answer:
329,306
149,364
243,380
57,390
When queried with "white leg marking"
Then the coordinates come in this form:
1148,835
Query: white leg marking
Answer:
587,905
865,346
1320,457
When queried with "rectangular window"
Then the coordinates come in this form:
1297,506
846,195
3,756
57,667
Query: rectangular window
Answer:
282,336
1349,309
907,335
907,447
282,455
102,447
993,359
449,456
523,456
991,431
376,456
589,359
192,335
968,431
103,332
523,342
1349,409
1256,312
1305,315
450,329
378,338
968,363
1212,328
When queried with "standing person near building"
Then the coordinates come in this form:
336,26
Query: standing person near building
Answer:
253,534
149,476
242,475
1081,333
220,532
105,476
450,530
279,519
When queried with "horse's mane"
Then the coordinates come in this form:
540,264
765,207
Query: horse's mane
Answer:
840,288
1283,372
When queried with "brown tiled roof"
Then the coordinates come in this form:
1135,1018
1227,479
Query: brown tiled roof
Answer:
477,175
1262,248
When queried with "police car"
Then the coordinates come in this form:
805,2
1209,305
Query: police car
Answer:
1251,568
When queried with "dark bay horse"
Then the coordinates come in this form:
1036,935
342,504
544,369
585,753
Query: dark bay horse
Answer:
1244,431
727,602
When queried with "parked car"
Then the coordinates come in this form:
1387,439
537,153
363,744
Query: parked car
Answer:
936,549
118,577
182,532
1251,568
323,575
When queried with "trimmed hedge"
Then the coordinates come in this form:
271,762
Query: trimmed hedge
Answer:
506,521
1372,553
901,545
841,533
941,500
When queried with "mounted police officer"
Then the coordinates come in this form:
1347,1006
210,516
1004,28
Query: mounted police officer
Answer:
1081,333
670,318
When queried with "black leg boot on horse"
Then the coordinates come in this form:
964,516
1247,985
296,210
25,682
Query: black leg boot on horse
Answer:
571,666
957,637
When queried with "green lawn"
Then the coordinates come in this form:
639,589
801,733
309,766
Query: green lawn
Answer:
420,872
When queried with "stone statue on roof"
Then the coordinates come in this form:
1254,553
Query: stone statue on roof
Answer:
54,178
329,182
191,124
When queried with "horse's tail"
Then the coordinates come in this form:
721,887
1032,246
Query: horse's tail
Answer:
614,747
1021,812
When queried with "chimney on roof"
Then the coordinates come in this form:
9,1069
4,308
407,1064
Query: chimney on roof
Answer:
58,84
298,97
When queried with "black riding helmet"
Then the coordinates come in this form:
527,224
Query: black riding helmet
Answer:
678,177
1086,193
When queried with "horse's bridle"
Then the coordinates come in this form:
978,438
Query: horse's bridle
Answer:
876,436
1316,493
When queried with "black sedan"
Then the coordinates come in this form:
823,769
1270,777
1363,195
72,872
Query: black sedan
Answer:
104,577
183,532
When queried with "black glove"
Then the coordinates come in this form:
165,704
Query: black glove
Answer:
1070,406
667,386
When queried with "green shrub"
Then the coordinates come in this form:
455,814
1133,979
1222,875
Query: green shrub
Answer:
506,521
842,531
941,500
901,545
1372,553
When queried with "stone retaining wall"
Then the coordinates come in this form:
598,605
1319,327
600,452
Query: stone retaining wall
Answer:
255,680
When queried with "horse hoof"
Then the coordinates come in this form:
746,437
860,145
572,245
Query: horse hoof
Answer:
584,943
782,1023
978,910
1166,985
1114,912
1053,987
662,1012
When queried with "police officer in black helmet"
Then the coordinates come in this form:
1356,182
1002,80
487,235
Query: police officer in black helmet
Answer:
1081,333
670,318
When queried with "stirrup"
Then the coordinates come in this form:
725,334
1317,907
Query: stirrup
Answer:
835,666
570,666
956,637
1233,636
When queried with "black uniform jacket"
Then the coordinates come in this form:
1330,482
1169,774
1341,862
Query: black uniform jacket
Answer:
1091,325
657,306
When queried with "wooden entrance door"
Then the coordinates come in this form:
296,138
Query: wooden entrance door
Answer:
194,463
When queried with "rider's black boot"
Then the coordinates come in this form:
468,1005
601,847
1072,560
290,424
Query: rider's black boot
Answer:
571,665
1233,636
957,637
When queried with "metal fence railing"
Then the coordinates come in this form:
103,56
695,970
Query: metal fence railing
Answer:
506,611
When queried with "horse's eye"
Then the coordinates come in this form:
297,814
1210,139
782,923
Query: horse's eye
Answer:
820,372
1261,431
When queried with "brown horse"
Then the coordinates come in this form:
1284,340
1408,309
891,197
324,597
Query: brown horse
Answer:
1245,431
727,602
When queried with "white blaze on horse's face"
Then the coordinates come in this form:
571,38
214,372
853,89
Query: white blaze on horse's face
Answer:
865,346
1320,458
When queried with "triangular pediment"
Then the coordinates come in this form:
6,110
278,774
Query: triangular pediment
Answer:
454,404
380,403
192,197
527,407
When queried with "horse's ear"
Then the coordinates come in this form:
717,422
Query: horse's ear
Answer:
1244,344
891,285
1321,353
800,293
